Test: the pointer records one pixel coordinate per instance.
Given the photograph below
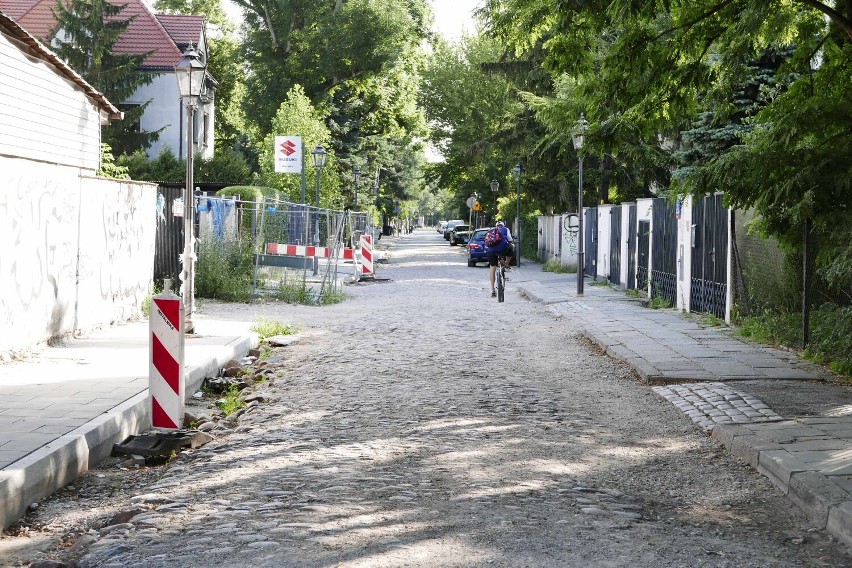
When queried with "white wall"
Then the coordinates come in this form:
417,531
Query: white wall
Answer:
644,212
570,241
604,222
77,251
684,255
165,111
43,115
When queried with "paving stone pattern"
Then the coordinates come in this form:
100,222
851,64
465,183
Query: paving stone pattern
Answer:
708,404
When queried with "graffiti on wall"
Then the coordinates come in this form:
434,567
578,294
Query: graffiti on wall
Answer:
570,232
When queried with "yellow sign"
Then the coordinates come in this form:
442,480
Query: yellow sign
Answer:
477,206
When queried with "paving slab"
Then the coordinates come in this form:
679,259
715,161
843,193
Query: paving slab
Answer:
63,408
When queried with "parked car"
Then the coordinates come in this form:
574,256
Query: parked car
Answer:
441,225
476,247
460,235
448,228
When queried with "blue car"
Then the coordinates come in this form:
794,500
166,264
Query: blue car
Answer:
476,248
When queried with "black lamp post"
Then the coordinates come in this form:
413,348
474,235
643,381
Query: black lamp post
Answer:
495,188
190,73
357,176
319,155
516,173
578,140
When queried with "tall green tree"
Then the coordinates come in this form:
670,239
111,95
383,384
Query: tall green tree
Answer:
85,35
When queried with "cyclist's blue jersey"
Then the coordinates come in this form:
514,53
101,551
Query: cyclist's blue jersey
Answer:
504,245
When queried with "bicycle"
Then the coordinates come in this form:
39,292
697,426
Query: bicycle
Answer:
503,262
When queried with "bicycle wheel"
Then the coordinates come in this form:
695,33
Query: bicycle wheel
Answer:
501,283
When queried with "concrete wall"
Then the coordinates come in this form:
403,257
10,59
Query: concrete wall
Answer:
685,229
77,251
602,265
570,240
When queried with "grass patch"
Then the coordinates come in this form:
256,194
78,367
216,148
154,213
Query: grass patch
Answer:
268,328
557,267
830,337
711,320
225,270
659,303
230,402
632,293
601,283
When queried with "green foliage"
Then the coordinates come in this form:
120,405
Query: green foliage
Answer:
659,303
226,166
631,293
109,168
830,338
297,116
267,328
553,265
225,270
230,401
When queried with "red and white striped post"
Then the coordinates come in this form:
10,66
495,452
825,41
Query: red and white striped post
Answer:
367,255
165,373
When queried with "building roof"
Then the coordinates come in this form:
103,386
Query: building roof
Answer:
38,49
145,34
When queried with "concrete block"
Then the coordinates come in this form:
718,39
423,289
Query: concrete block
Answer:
778,466
816,495
840,522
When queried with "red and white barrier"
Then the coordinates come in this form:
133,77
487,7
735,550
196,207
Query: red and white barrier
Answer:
165,373
307,251
367,255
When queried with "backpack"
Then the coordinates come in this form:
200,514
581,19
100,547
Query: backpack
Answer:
493,237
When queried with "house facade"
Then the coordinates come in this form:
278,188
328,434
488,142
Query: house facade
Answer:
76,250
164,37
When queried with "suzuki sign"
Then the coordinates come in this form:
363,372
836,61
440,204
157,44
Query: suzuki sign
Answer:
288,154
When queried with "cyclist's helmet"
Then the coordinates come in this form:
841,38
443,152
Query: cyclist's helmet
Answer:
501,224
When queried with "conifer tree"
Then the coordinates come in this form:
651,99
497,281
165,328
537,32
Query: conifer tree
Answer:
85,34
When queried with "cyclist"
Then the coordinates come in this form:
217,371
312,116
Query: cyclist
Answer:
503,250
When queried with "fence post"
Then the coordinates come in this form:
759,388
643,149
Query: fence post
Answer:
807,280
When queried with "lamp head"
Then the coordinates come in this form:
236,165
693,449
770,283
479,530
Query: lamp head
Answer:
579,133
357,174
495,185
517,171
319,155
190,72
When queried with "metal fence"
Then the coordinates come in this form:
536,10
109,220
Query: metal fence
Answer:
265,246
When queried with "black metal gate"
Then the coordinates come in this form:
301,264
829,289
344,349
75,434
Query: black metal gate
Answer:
709,241
631,246
615,245
643,251
169,240
664,250
591,240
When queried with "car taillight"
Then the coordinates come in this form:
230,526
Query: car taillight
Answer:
474,246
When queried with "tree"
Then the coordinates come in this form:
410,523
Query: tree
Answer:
85,35
298,117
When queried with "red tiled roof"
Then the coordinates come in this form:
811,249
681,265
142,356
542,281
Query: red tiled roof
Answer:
145,34
183,29
44,53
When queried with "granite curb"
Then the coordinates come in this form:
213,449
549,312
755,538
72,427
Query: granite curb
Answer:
775,450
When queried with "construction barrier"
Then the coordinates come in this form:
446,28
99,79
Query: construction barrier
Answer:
306,251
166,357
367,256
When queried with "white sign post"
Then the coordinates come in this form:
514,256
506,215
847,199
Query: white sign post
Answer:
288,154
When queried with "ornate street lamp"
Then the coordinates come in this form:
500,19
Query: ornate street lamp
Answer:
516,173
190,73
357,176
578,139
319,155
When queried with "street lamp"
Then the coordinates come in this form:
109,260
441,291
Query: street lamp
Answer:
319,155
516,173
190,73
495,188
578,140
357,175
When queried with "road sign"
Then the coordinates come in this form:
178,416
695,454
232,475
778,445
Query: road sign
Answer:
477,206
471,201
288,154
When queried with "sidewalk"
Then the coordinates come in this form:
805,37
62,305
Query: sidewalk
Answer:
787,418
64,409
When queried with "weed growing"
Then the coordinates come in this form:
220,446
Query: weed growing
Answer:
659,303
553,265
267,328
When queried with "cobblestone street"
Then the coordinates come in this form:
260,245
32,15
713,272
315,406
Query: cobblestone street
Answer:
422,423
